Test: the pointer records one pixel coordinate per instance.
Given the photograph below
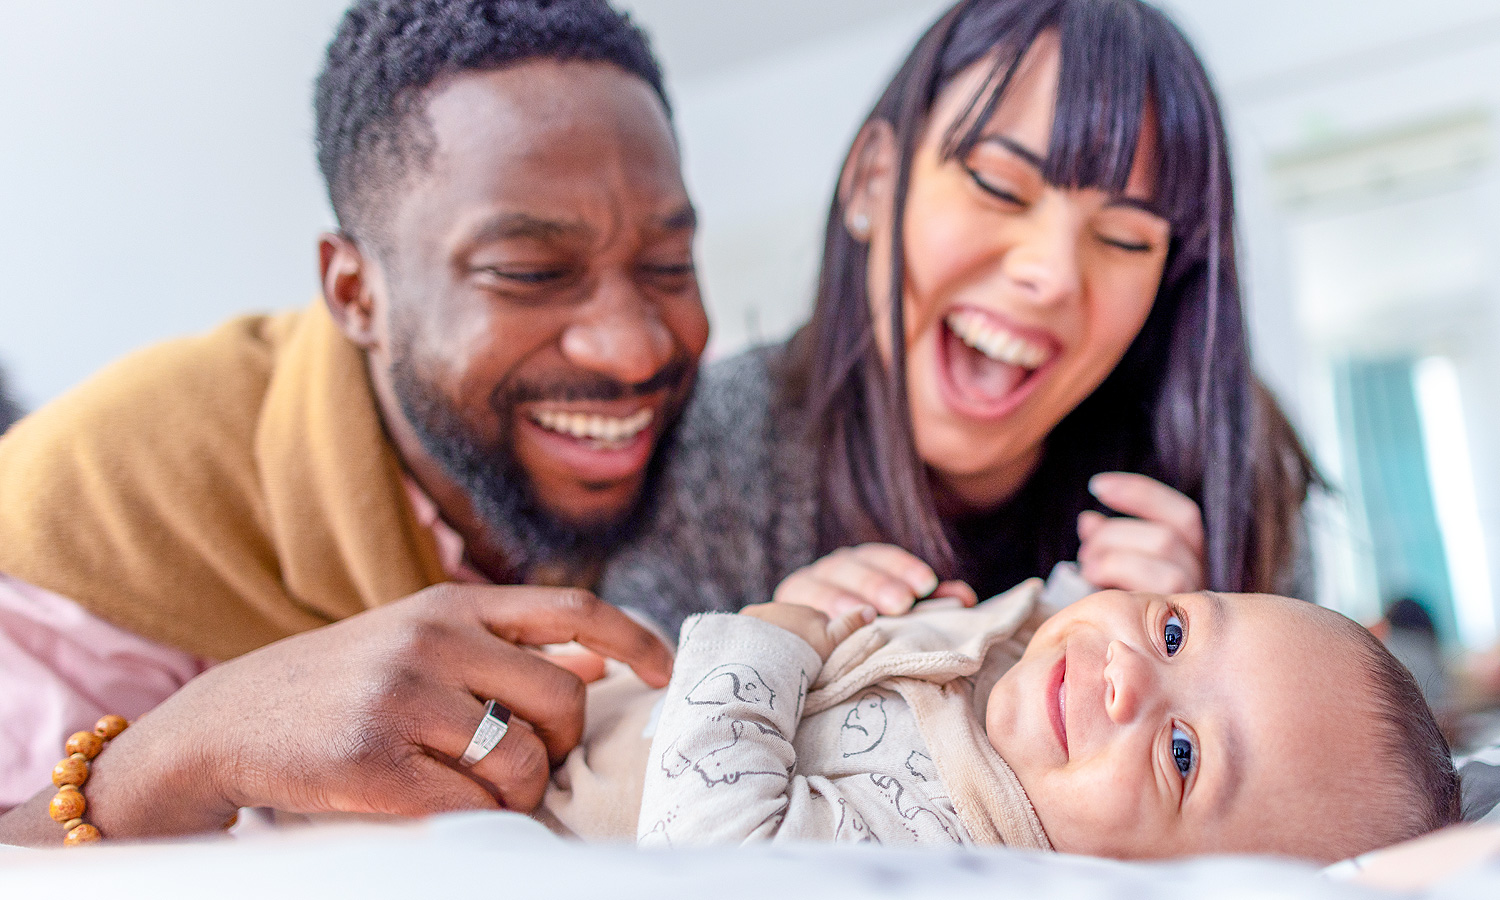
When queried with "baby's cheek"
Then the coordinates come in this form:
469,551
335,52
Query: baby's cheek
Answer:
1093,812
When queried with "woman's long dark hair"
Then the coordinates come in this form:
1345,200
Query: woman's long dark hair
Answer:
1183,404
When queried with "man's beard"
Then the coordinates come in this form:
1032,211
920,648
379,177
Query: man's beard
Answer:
503,496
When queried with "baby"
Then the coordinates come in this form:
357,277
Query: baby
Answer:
1132,726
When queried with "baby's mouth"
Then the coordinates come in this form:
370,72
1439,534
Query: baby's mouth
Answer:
1057,702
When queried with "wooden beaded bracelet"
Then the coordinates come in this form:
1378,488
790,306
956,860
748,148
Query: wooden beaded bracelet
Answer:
69,775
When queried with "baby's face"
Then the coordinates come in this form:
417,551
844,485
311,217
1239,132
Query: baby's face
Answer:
1144,725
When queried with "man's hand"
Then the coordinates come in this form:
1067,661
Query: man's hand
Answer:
368,715
813,626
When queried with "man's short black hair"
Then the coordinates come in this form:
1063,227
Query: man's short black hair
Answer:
369,104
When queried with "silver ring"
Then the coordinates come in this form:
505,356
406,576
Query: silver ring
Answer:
491,729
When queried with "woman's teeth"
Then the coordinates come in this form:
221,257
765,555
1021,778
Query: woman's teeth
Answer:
584,426
996,342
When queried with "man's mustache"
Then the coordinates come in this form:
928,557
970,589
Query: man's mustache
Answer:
598,388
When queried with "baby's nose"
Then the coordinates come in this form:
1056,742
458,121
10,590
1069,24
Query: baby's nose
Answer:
1126,682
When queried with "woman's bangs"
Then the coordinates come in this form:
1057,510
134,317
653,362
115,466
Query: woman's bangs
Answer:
1122,68
1103,90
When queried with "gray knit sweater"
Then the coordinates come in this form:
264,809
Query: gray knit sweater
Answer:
735,508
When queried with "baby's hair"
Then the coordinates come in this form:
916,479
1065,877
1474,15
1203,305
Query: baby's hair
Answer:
1426,797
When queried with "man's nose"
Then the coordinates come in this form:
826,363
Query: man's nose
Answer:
1128,682
621,335
1043,260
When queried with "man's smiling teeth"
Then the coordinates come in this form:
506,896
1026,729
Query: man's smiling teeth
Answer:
996,342
593,426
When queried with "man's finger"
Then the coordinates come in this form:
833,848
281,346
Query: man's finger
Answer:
514,772
1147,498
546,695
586,664
517,768
425,787
527,615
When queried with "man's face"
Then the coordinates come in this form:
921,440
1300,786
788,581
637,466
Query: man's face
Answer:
542,317
1143,725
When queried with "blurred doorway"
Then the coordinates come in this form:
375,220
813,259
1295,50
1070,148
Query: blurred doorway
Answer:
1396,303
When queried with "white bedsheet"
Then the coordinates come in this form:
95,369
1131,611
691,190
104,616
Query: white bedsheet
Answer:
504,855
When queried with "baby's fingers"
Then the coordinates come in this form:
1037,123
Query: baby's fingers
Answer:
841,627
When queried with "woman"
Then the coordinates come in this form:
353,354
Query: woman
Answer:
1047,183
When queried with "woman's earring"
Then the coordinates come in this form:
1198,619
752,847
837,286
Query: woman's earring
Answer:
859,226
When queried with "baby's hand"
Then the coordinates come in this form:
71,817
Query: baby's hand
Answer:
821,633
879,576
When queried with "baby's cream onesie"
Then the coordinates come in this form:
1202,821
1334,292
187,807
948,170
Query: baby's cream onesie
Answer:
758,740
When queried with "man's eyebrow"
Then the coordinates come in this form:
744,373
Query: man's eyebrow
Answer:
1231,753
510,226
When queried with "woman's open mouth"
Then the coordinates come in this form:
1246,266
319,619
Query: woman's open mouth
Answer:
989,366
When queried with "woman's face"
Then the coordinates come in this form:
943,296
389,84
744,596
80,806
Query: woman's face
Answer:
1021,297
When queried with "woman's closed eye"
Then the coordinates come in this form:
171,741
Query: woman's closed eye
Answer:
996,189
1125,244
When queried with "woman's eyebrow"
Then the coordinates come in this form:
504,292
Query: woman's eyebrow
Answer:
1029,156
1148,206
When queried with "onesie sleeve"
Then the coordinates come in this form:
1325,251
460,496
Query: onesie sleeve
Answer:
724,767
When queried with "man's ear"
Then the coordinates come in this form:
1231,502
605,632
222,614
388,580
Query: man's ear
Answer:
868,182
346,288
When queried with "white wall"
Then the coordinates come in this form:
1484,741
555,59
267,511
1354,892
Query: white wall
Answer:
156,174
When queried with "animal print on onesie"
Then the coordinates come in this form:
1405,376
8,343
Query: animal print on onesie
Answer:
758,740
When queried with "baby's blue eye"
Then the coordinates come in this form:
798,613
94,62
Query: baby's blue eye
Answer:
1182,751
1171,635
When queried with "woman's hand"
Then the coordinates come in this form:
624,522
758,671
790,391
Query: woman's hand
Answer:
1156,547
880,576
369,714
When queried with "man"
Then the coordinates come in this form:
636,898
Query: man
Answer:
511,325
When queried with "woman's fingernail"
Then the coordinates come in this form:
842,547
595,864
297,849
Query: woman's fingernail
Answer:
867,613
929,584
892,597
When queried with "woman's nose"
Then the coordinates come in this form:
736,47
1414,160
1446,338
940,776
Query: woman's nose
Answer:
1128,682
1043,260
